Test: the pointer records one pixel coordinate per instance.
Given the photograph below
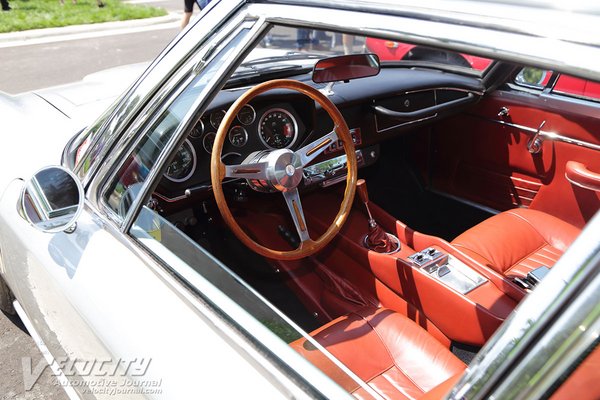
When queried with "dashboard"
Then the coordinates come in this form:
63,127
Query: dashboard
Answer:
376,109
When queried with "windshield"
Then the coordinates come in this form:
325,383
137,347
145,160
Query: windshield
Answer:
286,48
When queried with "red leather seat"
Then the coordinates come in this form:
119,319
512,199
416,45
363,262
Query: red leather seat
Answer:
517,241
391,353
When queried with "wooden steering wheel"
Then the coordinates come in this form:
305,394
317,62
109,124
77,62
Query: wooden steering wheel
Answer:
282,170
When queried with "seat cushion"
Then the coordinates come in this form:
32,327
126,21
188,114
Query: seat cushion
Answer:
517,241
396,357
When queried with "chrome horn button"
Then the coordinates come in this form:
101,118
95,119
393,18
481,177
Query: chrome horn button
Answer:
285,169
290,170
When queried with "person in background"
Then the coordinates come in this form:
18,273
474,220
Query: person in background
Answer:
5,5
188,9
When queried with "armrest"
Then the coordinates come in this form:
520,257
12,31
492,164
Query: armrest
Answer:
578,174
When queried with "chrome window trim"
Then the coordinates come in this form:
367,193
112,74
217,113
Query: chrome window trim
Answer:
144,89
201,102
163,100
555,311
553,101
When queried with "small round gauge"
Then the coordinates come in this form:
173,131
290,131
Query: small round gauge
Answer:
247,115
198,129
208,141
238,136
278,128
183,165
216,118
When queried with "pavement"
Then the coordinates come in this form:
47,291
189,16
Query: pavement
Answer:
47,57
42,58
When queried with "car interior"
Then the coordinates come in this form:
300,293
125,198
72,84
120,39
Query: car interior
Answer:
470,177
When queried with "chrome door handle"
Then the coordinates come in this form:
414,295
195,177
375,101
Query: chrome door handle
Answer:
534,145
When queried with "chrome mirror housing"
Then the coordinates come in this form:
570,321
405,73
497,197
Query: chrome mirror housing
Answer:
52,200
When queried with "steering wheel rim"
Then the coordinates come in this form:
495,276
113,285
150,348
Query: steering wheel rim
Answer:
218,171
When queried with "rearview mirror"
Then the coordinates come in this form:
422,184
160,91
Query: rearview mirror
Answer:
344,68
52,199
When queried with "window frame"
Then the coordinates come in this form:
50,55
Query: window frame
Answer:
139,130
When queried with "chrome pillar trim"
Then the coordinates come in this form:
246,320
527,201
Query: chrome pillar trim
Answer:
573,334
160,72
201,101
543,134
550,315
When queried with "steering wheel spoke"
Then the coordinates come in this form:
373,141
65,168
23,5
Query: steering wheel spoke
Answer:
312,150
247,171
292,199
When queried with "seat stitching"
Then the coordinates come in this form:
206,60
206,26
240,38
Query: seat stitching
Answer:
526,257
528,223
468,248
395,385
390,354
543,256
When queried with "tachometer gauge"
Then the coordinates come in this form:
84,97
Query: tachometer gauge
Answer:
238,136
198,129
183,165
247,115
208,141
216,118
278,128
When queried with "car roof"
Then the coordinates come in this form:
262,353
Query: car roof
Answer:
537,17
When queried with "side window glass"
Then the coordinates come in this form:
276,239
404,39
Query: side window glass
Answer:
534,78
577,87
128,182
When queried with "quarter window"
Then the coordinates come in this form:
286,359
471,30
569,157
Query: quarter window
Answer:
536,78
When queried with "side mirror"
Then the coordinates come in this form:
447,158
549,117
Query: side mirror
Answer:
52,200
344,68
530,76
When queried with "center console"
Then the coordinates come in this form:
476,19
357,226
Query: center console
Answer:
447,269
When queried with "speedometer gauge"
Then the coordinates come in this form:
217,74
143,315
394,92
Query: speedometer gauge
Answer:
278,128
183,165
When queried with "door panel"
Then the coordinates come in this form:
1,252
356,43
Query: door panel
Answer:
484,157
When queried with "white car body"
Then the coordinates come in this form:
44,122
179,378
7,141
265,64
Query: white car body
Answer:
96,294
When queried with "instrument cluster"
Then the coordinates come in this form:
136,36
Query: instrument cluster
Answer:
275,126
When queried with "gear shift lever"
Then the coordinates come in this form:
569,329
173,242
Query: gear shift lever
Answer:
361,186
377,239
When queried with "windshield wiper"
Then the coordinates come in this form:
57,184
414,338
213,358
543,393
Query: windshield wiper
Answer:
291,56
266,70
272,72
